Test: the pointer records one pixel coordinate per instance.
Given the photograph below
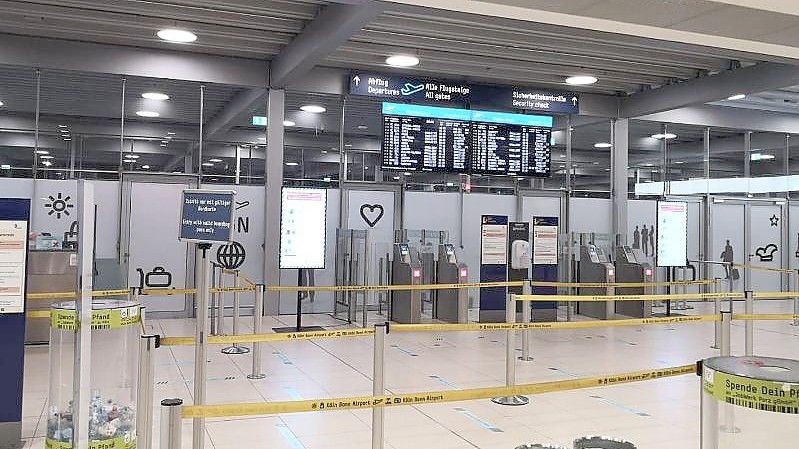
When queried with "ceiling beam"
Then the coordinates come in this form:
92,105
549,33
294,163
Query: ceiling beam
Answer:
57,54
731,118
334,25
747,80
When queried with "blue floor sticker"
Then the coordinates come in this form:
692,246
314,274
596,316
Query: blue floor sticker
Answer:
289,436
477,419
619,406
283,358
405,351
444,382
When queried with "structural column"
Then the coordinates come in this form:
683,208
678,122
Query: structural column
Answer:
618,177
273,184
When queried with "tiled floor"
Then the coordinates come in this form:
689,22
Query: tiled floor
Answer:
655,415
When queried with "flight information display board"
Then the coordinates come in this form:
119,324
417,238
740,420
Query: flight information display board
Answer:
427,138
425,144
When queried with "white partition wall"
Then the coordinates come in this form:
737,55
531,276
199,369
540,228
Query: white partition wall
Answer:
728,236
154,249
590,215
766,246
540,206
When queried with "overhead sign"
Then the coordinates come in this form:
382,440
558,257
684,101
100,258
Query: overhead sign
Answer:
453,92
206,216
13,252
303,228
672,234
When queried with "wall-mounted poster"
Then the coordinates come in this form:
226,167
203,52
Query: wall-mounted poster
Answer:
303,228
13,251
493,242
545,240
672,234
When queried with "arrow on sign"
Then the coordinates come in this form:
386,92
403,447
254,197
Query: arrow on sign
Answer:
574,101
357,80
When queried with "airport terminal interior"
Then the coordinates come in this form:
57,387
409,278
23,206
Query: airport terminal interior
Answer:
399,224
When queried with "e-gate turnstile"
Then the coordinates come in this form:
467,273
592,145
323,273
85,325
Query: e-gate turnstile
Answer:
406,269
595,266
450,305
632,267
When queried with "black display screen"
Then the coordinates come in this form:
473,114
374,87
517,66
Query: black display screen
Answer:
425,144
502,149
426,138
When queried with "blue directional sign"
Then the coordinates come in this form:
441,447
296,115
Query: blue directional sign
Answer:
207,216
431,91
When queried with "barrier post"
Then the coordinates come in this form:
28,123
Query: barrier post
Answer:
527,317
749,325
220,304
378,384
726,327
510,357
716,311
236,348
171,423
144,393
201,340
257,315
796,299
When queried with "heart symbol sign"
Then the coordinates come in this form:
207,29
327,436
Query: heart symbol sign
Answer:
374,214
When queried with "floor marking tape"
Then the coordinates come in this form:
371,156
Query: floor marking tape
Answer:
588,298
264,338
771,317
431,397
550,325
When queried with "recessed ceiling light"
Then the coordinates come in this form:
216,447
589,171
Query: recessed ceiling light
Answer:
326,179
292,164
132,156
313,108
177,172
407,173
47,163
760,157
581,80
348,145
396,178
402,60
596,163
62,126
5,167
602,145
324,151
288,123
164,141
208,164
47,157
177,35
42,152
215,160
168,137
667,136
129,161
262,139
155,96
170,133
362,127
67,139
146,167
147,114
562,156
649,165
163,145
679,162
736,97
1,103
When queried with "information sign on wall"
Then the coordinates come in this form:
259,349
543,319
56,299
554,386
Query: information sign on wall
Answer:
206,216
13,253
672,234
303,228
545,240
494,241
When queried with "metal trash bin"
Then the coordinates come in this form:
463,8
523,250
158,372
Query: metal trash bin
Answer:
750,402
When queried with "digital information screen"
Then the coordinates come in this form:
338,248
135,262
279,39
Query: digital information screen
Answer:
672,234
303,228
427,138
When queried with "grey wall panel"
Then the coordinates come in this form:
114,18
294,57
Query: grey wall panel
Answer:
544,206
766,225
590,215
728,225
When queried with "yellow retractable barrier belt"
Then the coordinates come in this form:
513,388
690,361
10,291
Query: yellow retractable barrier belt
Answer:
762,268
348,288
588,298
775,295
550,325
620,284
263,338
432,397
38,314
768,317
71,295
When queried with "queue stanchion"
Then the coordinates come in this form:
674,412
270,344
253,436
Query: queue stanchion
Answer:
144,394
220,304
726,328
236,348
749,325
796,299
378,384
201,340
510,357
257,315
171,423
716,311
527,317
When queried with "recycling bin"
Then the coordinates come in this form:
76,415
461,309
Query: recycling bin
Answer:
114,370
750,402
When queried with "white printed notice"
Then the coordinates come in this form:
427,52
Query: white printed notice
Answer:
13,236
303,228
672,234
545,245
494,244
